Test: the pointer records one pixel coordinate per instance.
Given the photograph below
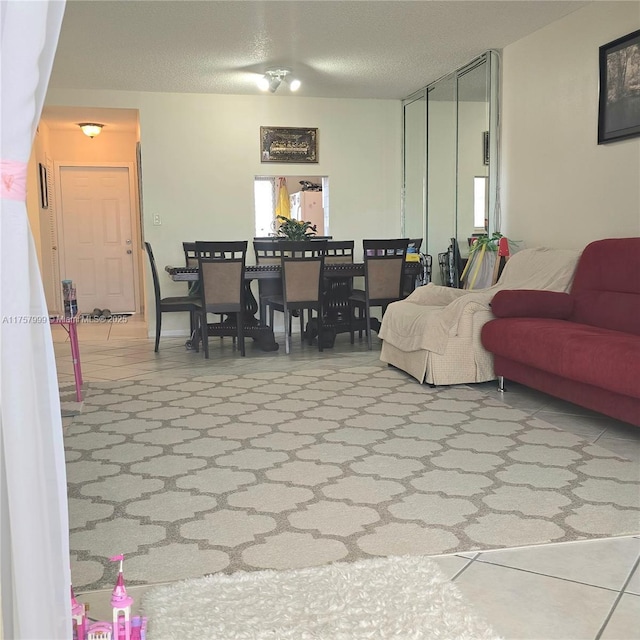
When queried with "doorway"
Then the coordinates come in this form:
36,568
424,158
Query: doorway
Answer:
98,236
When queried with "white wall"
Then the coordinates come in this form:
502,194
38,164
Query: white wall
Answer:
200,154
559,187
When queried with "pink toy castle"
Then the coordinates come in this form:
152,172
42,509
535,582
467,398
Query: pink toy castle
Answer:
123,626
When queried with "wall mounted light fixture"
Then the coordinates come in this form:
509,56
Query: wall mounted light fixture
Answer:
273,78
91,129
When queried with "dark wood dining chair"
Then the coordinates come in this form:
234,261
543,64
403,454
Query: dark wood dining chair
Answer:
384,275
190,257
337,290
170,304
221,266
339,252
301,270
191,261
267,252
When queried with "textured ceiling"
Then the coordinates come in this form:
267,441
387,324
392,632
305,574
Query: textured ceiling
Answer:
338,48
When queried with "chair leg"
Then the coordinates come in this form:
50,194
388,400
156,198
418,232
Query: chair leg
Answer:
302,326
287,330
367,311
320,327
240,323
195,333
158,327
204,333
352,314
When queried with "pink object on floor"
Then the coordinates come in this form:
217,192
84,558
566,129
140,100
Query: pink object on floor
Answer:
70,325
123,627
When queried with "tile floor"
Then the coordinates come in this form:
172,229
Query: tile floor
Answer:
570,591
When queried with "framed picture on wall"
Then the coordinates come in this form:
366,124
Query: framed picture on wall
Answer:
619,105
44,195
287,144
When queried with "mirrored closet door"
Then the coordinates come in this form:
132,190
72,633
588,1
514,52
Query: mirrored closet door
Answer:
450,158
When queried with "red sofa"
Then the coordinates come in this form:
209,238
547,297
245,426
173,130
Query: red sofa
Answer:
582,346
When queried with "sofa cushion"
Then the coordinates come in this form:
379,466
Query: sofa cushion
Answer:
613,310
531,303
599,357
606,286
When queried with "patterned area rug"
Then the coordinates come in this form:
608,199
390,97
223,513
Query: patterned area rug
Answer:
69,405
283,465
405,597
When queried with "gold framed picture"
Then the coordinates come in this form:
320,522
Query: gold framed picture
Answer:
298,145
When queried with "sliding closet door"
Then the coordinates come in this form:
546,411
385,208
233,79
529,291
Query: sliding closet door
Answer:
472,170
441,169
415,166
451,167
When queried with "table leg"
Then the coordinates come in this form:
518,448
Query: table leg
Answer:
75,356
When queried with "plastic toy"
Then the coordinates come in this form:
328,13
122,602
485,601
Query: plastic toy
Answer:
123,626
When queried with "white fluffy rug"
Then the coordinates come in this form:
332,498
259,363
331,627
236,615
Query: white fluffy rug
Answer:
400,597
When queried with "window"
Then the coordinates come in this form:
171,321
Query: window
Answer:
480,210
265,190
265,197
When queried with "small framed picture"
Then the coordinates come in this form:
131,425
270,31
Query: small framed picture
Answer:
44,195
619,104
287,144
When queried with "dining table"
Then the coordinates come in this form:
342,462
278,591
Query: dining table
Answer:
338,285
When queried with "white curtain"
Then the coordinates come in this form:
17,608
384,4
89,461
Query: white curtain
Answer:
34,544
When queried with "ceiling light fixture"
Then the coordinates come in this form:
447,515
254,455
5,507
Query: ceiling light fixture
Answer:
273,78
91,129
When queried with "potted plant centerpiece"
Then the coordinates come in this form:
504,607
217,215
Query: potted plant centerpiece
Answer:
295,229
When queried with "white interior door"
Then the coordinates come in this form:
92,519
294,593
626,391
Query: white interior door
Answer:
98,236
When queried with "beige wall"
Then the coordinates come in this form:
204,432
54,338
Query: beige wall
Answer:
34,210
559,187
109,146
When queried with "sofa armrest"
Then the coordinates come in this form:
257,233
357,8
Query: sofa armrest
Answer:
531,303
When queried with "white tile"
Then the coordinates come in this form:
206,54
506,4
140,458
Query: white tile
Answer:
628,449
634,583
111,373
601,563
450,565
625,620
528,606
580,425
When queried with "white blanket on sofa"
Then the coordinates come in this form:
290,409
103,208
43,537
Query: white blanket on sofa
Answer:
427,317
